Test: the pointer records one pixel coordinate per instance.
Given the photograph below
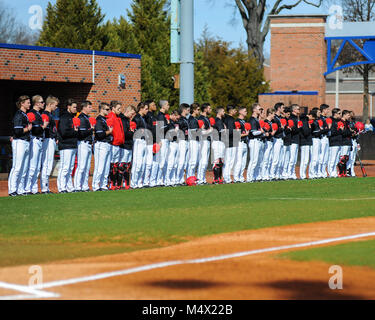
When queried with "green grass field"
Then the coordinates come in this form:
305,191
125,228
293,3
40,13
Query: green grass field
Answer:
360,253
44,228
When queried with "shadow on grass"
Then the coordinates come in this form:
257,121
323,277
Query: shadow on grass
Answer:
312,290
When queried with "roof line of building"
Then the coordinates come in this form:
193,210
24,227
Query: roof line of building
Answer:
349,92
302,93
283,16
74,51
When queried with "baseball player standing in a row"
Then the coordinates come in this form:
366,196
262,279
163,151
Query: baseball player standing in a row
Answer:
36,145
135,148
102,149
20,148
84,148
67,136
205,143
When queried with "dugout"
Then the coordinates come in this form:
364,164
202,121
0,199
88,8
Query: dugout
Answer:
65,73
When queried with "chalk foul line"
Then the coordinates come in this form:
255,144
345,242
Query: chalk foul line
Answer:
193,261
34,291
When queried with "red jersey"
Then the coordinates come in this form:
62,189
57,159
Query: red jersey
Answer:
118,129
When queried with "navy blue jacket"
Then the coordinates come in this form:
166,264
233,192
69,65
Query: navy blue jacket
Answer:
20,122
67,136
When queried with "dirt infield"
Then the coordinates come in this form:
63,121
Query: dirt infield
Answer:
256,275
369,167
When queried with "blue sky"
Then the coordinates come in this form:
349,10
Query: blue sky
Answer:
219,16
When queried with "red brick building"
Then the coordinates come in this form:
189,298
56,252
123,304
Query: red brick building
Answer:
65,73
298,63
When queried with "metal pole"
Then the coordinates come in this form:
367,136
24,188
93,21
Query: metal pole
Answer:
93,67
371,102
337,88
187,52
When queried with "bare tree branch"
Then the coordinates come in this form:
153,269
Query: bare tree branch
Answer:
261,10
245,18
286,7
253,14
11,31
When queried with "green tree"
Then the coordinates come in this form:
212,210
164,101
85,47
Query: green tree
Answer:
201,78
234,75
239,80
151,24
73,24
119,36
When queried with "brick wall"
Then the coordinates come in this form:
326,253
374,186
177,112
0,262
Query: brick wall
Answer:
37,66
349,101
298,54
268,101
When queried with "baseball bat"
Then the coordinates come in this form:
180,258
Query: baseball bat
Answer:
364,174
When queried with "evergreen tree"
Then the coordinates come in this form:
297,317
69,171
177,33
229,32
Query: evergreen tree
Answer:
73,24
234,76
201,78
119,36
239,80
151,25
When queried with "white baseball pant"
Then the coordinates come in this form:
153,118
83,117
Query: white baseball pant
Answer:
230,157
162,157
280,168
150,167
139,162
182,160
258,170
277,159
314,162
305,157
193,157
240,162
345,150
267,160
102,163
323,157
36,146
292,161
125,155
64,179
352,157
334,153
48,155
116,154
172,162
20,153
81,176
204,157
255,146
218,149
285,163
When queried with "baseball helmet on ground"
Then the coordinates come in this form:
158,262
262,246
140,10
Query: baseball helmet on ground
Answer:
191,181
